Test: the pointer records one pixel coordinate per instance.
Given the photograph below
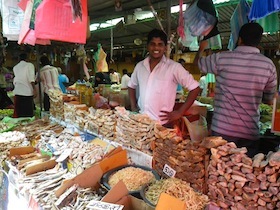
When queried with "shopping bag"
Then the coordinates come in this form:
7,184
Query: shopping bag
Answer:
54,20
197,129
199,21
27,34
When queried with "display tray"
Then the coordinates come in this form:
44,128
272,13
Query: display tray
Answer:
143,196
136,193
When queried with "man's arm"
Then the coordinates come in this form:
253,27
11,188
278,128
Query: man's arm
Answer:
34,90
177,114
132,97
202,45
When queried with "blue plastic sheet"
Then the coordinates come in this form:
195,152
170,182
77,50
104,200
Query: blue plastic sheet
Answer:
262,8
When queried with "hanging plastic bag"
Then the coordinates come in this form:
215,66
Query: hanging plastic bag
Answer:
100,58
215,42
54,21
199,21
12,17
197,129
238,19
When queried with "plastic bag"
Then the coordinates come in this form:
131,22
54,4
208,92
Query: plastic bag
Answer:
54,21
199,21
197,129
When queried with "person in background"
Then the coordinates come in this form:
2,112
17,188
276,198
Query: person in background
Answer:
179,87
5,101
63,80
157,78
101,78
244,79
49,80
203,85
24,87
125,80
114,76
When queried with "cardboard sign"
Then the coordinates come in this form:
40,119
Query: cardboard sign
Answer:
99,205
20,151
114,161
169,202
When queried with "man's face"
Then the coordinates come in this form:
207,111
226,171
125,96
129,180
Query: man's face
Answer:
156,48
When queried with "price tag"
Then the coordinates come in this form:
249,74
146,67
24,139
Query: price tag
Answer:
169,171
99,205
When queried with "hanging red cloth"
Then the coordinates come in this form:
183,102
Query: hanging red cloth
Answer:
181,29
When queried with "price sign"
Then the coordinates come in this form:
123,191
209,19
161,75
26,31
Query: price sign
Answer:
169,171
99,205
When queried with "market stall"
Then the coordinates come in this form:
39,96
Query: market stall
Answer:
74,151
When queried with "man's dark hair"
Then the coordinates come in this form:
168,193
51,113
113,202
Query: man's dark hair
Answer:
22,56
124,71
181,61
44,60
251,34
156,33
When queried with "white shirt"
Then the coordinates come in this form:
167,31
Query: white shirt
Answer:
203,85
24,74
49,78
157,89
125,80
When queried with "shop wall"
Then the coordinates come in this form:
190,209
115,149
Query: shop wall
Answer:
119,66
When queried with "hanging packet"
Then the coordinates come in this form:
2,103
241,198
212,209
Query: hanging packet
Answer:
54,21
12,17
199,21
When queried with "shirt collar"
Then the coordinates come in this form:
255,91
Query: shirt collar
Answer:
248,49
147,60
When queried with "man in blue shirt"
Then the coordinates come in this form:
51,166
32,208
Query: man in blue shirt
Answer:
62,78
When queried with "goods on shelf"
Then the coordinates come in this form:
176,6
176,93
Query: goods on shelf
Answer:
33,130
238,182
133,176
177,188
187,158
6,112
102,122
134,130
56,103
9,140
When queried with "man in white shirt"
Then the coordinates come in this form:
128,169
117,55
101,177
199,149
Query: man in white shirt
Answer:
203,85
49,79
125,80
157,78
24,83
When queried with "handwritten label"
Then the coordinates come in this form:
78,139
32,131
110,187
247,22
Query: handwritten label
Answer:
99,205
169,171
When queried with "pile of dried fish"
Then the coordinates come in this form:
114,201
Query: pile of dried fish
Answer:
102,122
9,140
56,104
33,130
83,153
134,130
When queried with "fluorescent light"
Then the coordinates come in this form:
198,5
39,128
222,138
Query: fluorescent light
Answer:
176,9
220,1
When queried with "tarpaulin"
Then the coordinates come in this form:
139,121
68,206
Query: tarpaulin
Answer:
238,19
262,8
